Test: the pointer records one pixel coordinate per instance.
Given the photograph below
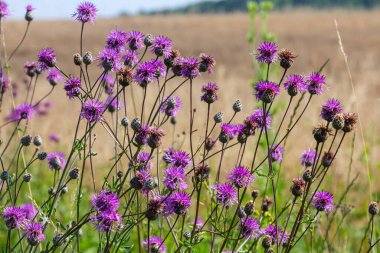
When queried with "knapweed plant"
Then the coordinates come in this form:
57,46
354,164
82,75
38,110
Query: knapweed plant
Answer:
161,195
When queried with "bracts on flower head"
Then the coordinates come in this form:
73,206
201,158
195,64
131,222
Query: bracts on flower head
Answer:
286,58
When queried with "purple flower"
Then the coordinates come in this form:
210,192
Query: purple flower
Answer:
141,137
199,223
130,58
171,106
113,104
4,11
23,111
29,210
159,67
72,87
174,179
316,83
266,91
106,221
276,232
229,129
92,110
116,40
180,159
307,157
207,63
109,59
225,194
295,84
54,77
85,12
30,68
143,161
145,74
331,108
47,58
54,138
276,154
167,157
323,201
257,119
266,52
34,233
56,160
209,93
155,242
240,177
140,180
162,46
189,67
105,201
135,40
178,203
249,227
109,83
29,8
14,217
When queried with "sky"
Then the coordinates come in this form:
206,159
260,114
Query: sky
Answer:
60,9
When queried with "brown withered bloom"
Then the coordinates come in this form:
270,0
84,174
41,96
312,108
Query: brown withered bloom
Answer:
321,133
202,172
298,187
286,58
350,120
154,208
267,202
327,159
125,76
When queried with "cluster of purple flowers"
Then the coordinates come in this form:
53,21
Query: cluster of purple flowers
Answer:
106,204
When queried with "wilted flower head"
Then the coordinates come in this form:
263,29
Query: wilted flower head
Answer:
266,91
54,76
276,232
155,206
331,108
34,233
174,179
307,157
249,227
23,111
85,12
155,136
266,52
350,120
167,157
92,110
106,221
105,200
323,201
286,58
207,63
162,46
116,40
29,210
277,153
135,40
189,67
14,217
46,58
210,93
226,194
316,83
72,87
145,74
240,177
295,84
109,59
180,159
298,186
178,203
155,245
171,106
4,11
56,160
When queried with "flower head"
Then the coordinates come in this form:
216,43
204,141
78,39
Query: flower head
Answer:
109,83
266,91
171,106
4,11
85,12
162,46
105,201
257,119
72,87
135,39
167,157
23,111
109,59
209,93
240,177
116,40
54,77
34,233
14,217
143,161
130,58
277,153
29,210
92,110
225,194
156,243
189,67
249,227
307,157
266,52
145,73
323,201
113,104
316,83
331,108
142,135
276,232
140,180
56,160
47,58
178,203
174,179
207,63
180,159
29,7
106,221
295,84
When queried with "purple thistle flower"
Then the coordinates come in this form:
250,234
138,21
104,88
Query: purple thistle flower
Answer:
257,119
189,67
307,157
316,83
266,52
23,111
47,58
174,179
263,89
109,59
155,242
29,7
295,84
130,58
4,11
141,137
113,104
140,180
72,87
56,160
30,67
54,76
180,159
276,154
240,177
4,83
145,74
116,40
323,201
178,203
109,83
34,233
171,106
331,108
106,221
276,232
207,63
143,161
229,129
199,223
85,12
14,217
29,210
162,46
226,194
159,67
92,110
167,157
249,227
105,200
135,40
209,93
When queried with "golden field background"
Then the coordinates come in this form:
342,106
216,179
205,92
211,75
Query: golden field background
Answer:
310,34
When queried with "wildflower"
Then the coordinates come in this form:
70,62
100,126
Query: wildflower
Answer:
171,106
109,84
295,84
298,187
28,14
29,210
249,227
240,177
207,63
178,203
172,58
331,108
174,179
125,76
256,119
321,133
180,159
92,110
155,135
105,200
276,154
130,58
142,135
307,175
189,67
116,40
113,104
140,180
323,201
106,221
162,46
350,120
30,68
54,77
267,202
276,233
249,207
316,83
34,233
142,161
266,91
148,40
72,87
155,207
135,40
85,12
56,160
202,172
327,159
109,59
155,245
210,143
14,217
145,74
225,194
227,132
286,58
47,58
266,52
23,111
307,157
4,11
209,93
26,140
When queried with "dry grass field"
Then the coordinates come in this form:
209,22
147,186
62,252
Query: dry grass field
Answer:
311,34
